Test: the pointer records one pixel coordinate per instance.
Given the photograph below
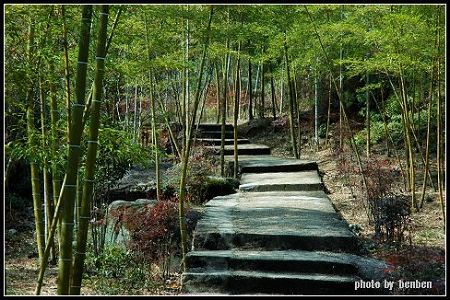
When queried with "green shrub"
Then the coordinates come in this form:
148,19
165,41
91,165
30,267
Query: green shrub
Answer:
118,271
116,154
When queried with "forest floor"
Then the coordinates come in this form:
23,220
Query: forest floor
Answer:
421,257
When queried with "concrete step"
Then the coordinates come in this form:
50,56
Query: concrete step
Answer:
214,134
214,127
248,282
217,142
273,221
247,149
271,261
281,181
268,163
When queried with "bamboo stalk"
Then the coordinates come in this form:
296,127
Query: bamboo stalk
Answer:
186,153
54,143
51,234
291,102
223,114
67,223
48,211
32,143
236,112
88,185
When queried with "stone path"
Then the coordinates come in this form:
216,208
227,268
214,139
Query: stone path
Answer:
278,235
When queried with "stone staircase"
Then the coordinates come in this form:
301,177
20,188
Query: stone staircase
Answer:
280,234
210,134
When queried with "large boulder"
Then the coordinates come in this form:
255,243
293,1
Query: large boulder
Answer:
116,233
136,183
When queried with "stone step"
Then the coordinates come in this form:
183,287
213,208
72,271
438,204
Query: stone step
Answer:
281,181
249,282
217,142
214,127
214,134
273,221
268,163
247,149
271,261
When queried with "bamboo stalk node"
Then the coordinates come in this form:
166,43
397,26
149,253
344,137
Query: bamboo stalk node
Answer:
78,105
70,185
74,146
92,142
83,62
99,57
65,259
70,224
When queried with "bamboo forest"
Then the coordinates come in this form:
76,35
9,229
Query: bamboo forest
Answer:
224,149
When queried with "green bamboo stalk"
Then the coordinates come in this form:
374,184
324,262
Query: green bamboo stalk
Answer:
236,112
249,91
186,152
54,141
47,203
261,104
343,113
217,92
167,121
31,135
88,186
51,234
67,223
272,93
155,138
66,69
439,144
224,113
388,137
87,108
291,101
153,118
367,119
410,152
427,143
